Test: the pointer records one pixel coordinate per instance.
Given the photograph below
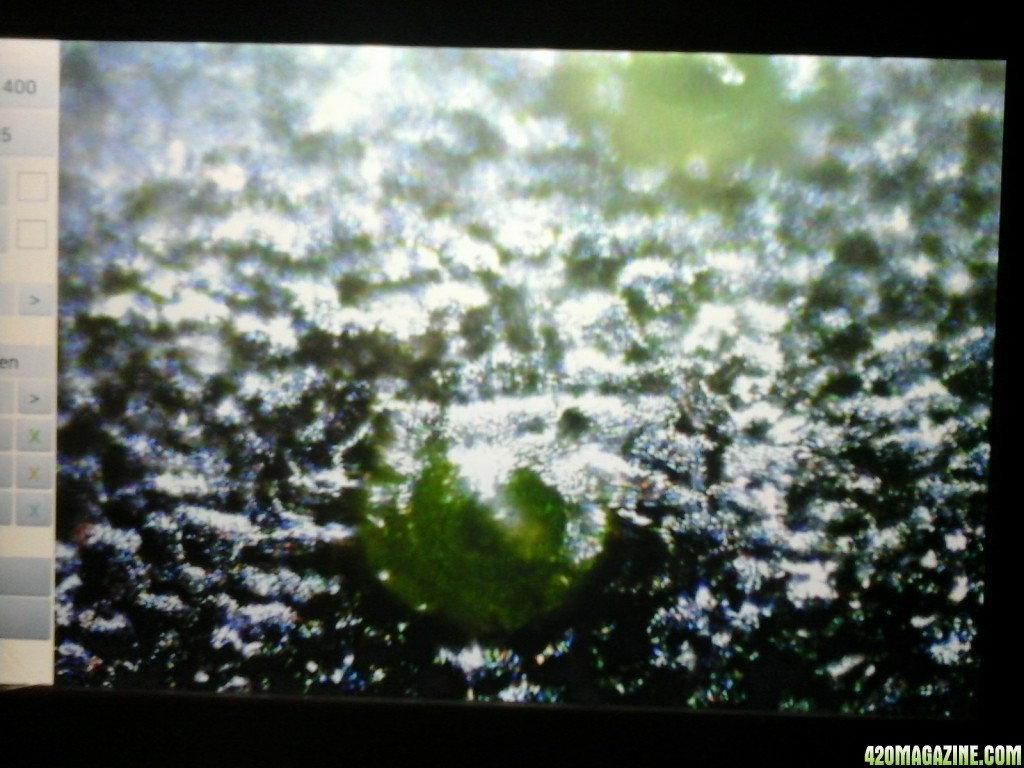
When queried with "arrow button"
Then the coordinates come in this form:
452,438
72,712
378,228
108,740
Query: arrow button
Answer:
37,299
35,396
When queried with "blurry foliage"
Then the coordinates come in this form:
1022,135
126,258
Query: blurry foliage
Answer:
765,290
448,553
680,111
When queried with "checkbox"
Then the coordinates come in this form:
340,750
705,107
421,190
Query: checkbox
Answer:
33,187
31,233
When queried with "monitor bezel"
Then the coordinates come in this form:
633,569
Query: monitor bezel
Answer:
165,727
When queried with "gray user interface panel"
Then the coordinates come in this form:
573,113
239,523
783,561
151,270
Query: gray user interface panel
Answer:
29,120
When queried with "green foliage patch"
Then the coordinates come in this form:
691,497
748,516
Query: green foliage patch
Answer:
491,566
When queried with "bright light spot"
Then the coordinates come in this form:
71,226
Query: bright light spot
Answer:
581,362
762,354
748,615
895,340
845,664
960,589
178,485
927,390
309,292
586,310
473,255
899,221
770,500
634,518
898,142
686,656
120,305
765,317
193,305
402,316
526,225
731,261
177,155
787,431
589,472
951,171
164,283
867,483
951,649
802,71
809,581
492,415
646,270
223,522
703,598
453,295
590,458
920,266
371,169
363,89
521,690
469,660
956,542
484,467
958,281
278,330
726,70
713,322
282,234
522,131
890,538
230,178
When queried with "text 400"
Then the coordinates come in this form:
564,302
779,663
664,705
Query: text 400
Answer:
20,86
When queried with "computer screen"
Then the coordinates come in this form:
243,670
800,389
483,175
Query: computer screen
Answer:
602,378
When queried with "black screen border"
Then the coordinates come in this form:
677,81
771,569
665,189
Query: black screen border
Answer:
158,728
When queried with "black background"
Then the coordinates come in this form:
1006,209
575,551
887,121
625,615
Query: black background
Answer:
145,729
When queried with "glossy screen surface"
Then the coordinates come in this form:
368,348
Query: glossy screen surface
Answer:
600,378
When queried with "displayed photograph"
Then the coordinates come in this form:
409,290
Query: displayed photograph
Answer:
640,379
